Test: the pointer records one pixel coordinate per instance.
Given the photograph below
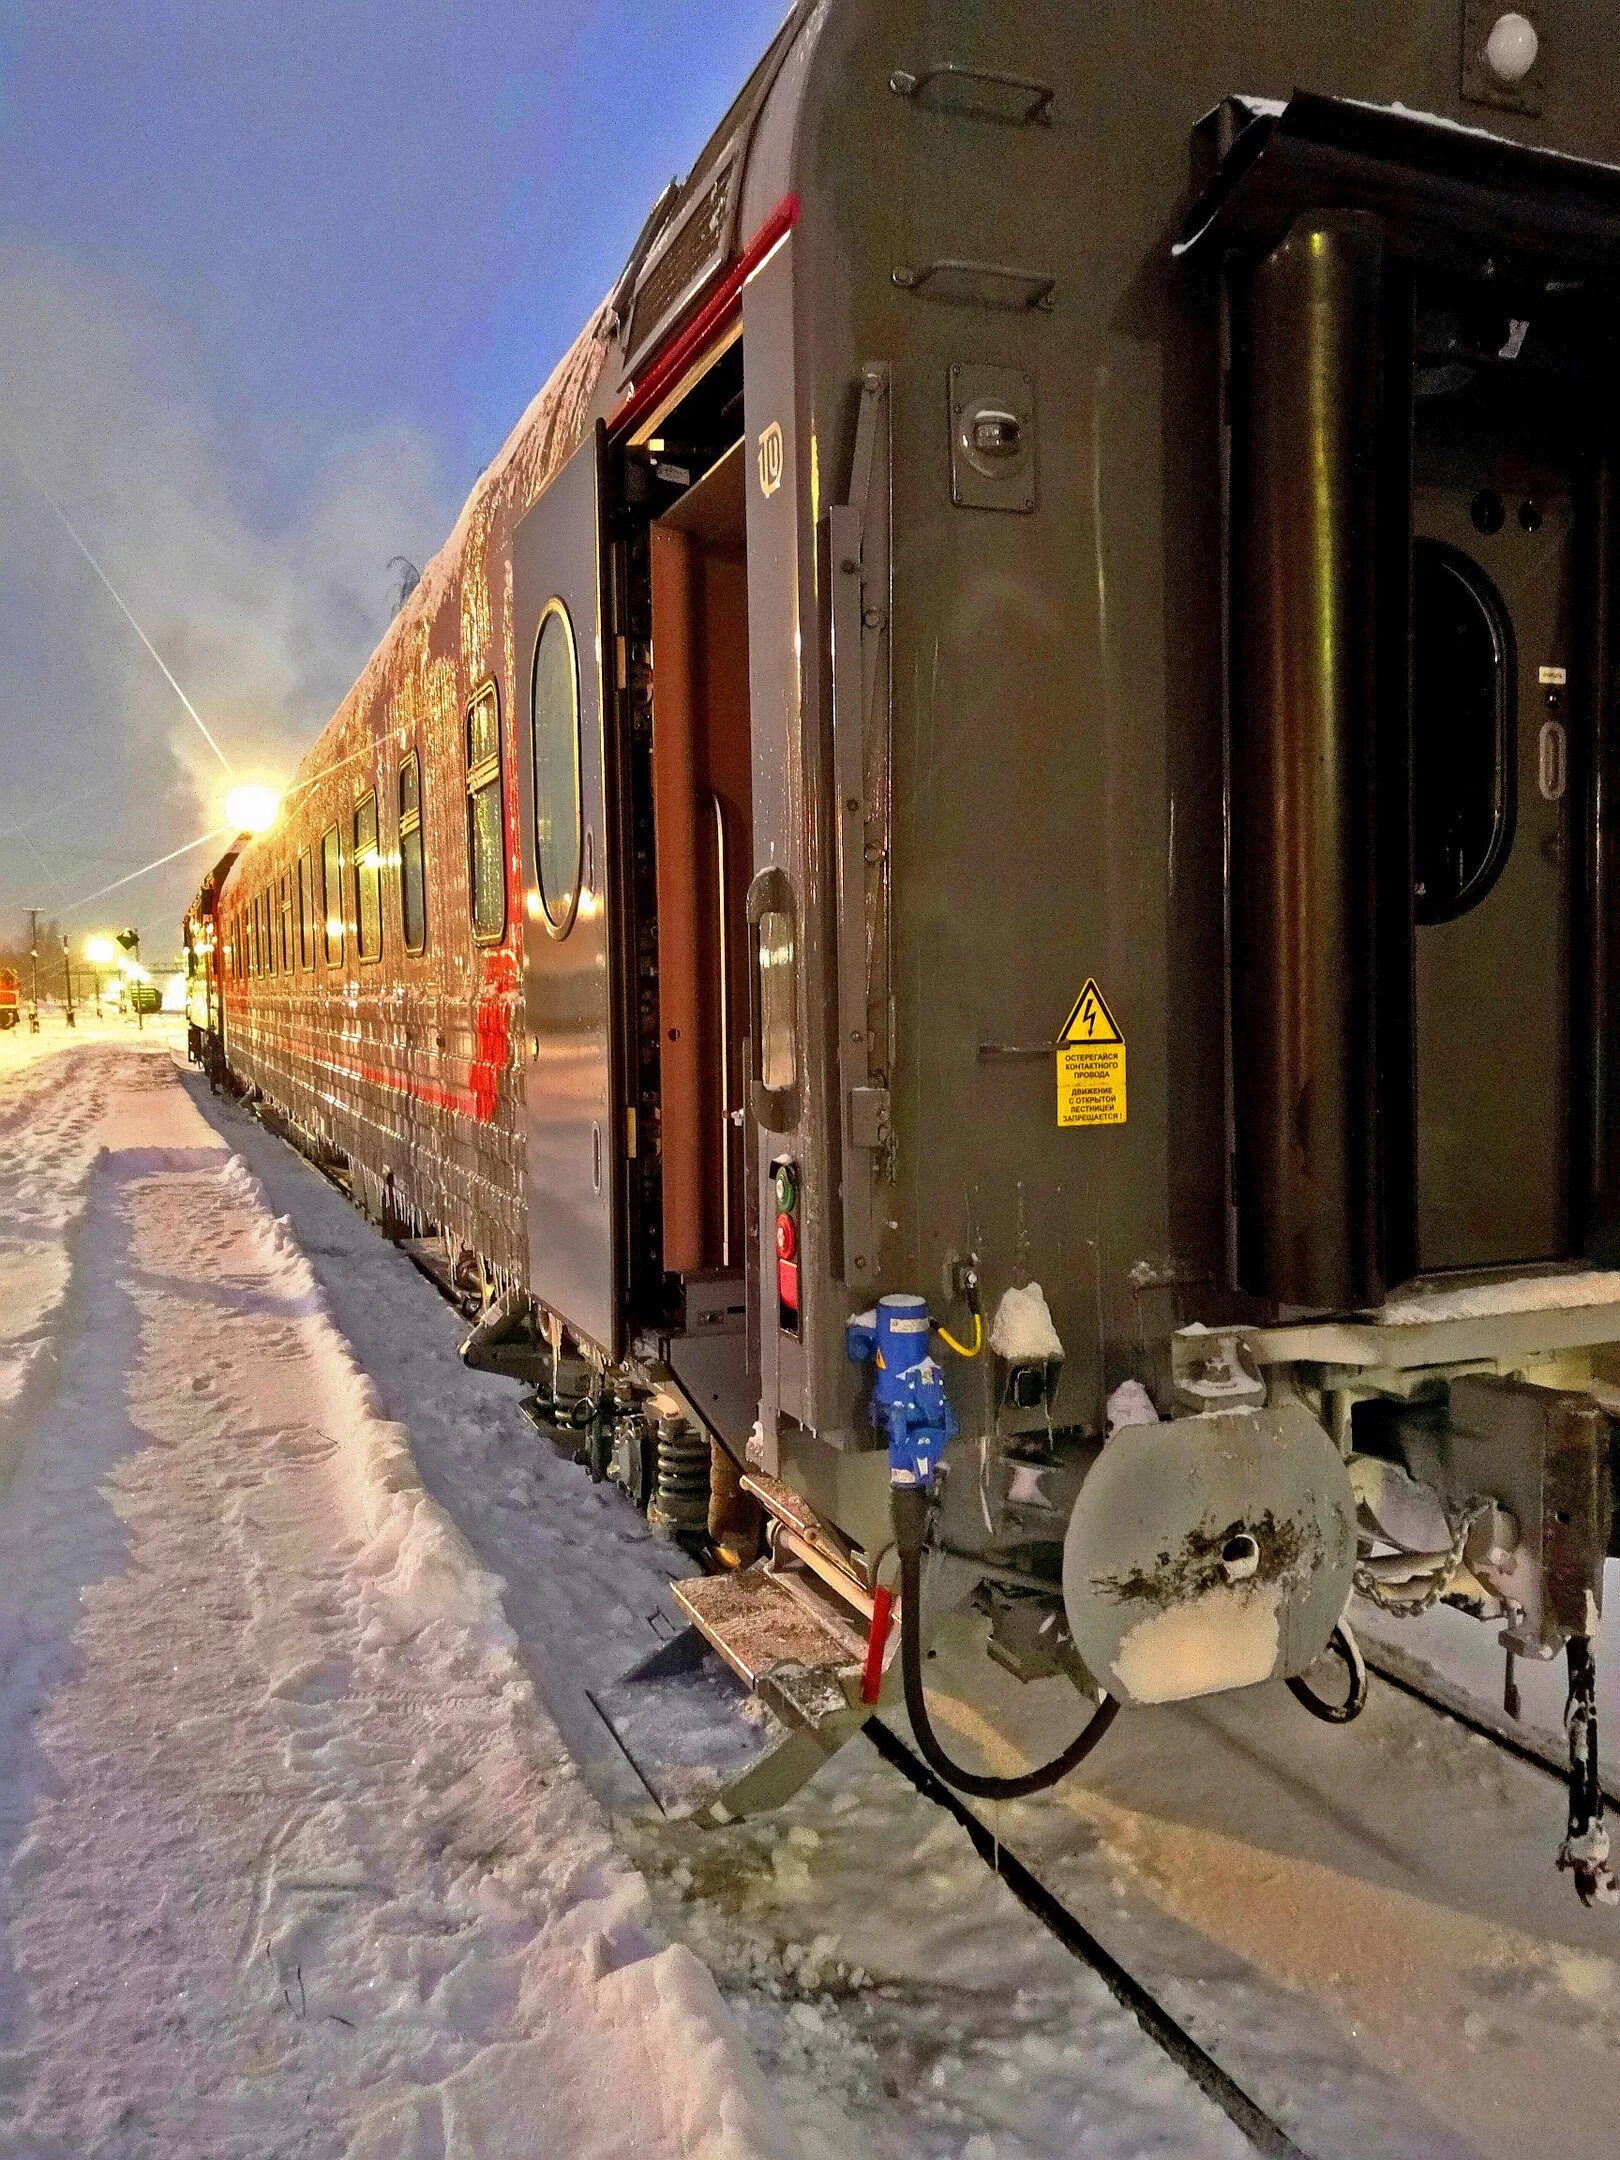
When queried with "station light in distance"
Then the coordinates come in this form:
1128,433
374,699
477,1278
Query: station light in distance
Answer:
100,951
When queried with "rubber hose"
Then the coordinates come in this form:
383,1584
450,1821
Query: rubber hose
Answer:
910,1517
1344,1646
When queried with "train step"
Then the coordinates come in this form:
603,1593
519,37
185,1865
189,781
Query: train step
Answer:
734,1714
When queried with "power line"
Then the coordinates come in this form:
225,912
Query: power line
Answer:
121,604
174,855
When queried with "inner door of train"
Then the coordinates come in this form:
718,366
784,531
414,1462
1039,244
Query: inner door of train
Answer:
701,776
1494,539
572,1151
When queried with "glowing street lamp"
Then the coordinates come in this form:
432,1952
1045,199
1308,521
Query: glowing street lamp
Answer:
251,808
101,952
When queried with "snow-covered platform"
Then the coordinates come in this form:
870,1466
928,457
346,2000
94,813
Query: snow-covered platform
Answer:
305,1838
312,1839
294,1859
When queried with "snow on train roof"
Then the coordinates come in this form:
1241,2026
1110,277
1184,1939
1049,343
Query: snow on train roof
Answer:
550,430
1275,109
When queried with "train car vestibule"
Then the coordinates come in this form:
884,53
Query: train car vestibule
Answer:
1492,585
1418,511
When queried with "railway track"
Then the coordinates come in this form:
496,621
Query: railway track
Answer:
1541,1751
1262,2130
1154,1993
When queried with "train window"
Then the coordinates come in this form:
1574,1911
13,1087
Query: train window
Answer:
557,810
261,930
286,925
778,1032
332,895
255,961
1462,730
486,821
412,868
306,910
367,879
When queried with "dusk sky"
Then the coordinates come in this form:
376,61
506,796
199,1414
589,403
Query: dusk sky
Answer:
277,277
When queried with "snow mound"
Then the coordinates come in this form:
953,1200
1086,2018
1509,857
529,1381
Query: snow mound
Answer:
1130,1404
1022,1331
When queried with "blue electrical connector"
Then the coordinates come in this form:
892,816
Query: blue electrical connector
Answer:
908,1391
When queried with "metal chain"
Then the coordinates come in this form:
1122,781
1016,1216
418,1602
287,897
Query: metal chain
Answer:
1405,1604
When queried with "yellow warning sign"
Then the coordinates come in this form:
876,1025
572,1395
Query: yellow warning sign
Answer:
1091,1063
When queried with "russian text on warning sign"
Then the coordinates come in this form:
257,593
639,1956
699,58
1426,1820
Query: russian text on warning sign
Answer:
1091,1064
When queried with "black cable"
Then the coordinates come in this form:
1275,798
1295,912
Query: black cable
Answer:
1343,1645
910,1521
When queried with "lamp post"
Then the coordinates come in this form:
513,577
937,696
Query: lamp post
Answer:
67,977
130,940
33,980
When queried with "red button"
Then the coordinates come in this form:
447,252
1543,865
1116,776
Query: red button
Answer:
787,1238
787,1284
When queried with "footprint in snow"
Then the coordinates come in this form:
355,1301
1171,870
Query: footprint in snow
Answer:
320,1680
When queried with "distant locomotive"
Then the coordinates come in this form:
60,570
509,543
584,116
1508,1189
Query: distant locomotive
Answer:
1013,760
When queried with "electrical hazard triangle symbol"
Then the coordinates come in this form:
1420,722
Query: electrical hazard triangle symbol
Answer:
1091,1063
1090,1021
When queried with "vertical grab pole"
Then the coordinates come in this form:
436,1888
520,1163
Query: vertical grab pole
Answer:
722,881
1305,661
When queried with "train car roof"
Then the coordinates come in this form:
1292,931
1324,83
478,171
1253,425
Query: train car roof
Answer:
692,236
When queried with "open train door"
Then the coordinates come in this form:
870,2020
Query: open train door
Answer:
571,1176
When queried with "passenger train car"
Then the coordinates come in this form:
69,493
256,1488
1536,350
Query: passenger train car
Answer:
981,884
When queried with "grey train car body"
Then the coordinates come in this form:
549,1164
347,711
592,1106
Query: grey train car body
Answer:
1126,495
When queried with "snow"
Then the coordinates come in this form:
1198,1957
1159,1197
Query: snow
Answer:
1022,1331
1129,1404
1514,1294
1267,108
1228,1639
296,1858
311,1838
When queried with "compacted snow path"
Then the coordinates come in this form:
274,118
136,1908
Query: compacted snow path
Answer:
303,1842
293,1860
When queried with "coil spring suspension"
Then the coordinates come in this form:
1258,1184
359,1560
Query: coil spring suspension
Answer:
680,1498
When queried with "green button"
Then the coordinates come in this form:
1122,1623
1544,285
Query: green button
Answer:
787,1189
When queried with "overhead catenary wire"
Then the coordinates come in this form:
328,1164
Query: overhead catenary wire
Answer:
45,868
219,832
120,603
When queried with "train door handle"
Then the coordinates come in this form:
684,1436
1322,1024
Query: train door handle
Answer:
1552,760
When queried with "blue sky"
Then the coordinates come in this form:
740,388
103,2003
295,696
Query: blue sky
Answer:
276,279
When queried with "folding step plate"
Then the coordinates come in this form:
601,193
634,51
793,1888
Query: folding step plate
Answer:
737,1712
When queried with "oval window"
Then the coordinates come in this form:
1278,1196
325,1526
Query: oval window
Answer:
555,721
1462,732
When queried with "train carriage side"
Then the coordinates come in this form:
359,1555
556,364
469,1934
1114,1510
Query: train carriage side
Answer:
370,939
1175,499
1203,506
1055,696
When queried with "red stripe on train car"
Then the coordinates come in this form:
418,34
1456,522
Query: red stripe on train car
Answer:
667,365
477,1102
